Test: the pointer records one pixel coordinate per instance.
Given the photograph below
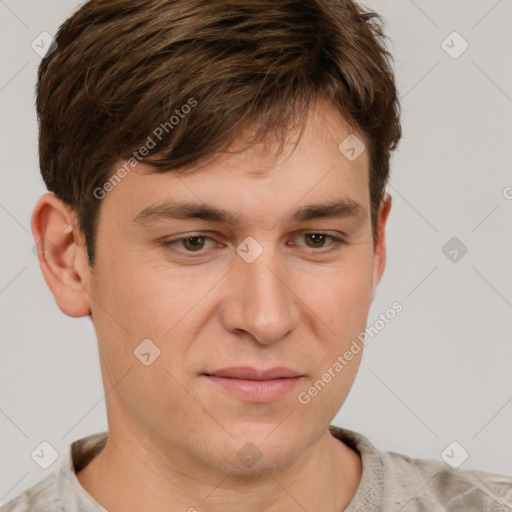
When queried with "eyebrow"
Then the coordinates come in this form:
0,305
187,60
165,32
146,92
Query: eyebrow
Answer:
340,208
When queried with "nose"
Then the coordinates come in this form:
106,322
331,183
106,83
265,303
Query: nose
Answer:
260,300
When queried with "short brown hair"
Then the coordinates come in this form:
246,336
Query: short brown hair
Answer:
122,68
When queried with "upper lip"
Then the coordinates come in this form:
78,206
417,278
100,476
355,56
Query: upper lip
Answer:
248,373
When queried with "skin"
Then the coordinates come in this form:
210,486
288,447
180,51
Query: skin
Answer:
173,434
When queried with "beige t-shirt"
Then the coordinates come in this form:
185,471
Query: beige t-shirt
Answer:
390,482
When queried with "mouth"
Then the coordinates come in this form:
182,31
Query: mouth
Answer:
255,385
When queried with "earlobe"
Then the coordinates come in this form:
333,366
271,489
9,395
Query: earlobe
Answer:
62,254
379,255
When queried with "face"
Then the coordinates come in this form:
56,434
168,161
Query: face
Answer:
244,313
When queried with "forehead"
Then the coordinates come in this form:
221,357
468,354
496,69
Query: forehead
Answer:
312,169
325,131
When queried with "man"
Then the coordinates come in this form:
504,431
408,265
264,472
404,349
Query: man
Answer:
217,205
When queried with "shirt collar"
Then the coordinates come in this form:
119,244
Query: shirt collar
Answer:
73,496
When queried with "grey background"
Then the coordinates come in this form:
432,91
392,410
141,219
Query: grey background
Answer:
439,372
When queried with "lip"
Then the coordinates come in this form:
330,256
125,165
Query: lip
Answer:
249,373
255,385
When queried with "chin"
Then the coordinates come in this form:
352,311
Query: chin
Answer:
261,464
257,449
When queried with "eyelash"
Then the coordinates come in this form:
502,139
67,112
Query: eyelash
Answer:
165,243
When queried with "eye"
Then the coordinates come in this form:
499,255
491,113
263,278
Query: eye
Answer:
190,243
197,242
318,240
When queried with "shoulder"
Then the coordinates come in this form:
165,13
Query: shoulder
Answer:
434,482
43,496
61,490
394,481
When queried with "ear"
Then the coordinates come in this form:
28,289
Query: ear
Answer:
379,253
62,254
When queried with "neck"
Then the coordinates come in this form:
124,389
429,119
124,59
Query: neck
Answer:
130,475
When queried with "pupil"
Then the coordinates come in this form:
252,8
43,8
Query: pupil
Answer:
195,238
318,237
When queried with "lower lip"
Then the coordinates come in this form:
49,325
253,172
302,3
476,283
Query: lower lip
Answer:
256,390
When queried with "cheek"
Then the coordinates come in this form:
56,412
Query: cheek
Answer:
341,301
341,297
141,300
140,295
125,310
